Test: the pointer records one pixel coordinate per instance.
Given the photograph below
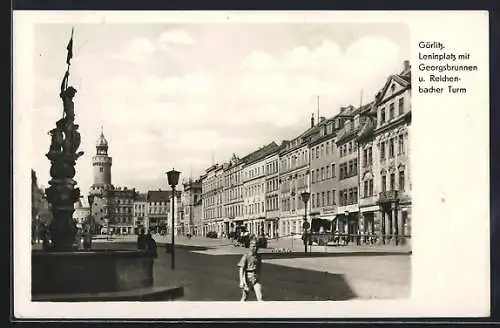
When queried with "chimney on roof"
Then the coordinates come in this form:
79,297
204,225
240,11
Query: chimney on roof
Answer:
312,120
406,65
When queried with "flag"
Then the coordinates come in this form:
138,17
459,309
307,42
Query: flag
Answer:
70,49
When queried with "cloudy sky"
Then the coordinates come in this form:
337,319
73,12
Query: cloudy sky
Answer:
172,95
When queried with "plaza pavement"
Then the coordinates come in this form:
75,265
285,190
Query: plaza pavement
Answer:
207,269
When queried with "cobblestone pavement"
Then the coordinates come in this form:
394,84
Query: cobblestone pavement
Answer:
293,277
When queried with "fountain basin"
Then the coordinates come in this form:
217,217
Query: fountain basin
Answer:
96,275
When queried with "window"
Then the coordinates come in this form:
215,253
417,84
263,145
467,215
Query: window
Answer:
328,172
317,200
313,203
384,183
401,181
370,187
355,166
401,105
322,173
327,147
365,158
322,150
312,176
370,159
391,111
393,181
351,168
382,151
350,147
317,175
323,202
333,197
391,148
365,189
355,194
333,171
328,198
101,169
401,144
382,115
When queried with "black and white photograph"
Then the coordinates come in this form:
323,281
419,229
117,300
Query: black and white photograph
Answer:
221,160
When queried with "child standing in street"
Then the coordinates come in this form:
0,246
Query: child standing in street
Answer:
249,273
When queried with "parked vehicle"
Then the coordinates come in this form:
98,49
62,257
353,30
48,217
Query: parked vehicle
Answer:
212,234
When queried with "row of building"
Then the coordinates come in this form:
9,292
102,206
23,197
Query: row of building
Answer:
355,166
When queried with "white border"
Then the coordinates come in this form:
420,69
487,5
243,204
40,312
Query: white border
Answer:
450,149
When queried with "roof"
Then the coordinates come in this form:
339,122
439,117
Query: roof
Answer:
141,197
161,195
260,153
367,128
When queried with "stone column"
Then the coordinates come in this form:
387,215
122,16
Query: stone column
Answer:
382,228
395,224
388,226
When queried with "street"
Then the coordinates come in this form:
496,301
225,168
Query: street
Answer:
209,275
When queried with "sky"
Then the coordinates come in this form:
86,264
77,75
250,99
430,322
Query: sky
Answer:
180,95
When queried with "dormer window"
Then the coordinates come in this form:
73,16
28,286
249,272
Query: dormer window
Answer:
393,88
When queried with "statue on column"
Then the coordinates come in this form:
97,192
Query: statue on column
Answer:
63,153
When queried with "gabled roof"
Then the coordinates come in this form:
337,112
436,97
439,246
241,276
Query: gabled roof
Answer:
161,195
403,80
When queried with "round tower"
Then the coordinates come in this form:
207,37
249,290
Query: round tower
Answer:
102,165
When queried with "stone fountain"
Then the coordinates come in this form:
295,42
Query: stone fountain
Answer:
64,272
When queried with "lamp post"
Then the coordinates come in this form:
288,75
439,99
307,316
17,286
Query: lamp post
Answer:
305,198
173,180
91,223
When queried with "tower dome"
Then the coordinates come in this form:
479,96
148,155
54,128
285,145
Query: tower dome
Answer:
102,142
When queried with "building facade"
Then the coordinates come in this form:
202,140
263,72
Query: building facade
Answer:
233,192
324,178
191,197
81,214
254,186
294,180
212,200
385,182
272,205
123,216
158,209
140,212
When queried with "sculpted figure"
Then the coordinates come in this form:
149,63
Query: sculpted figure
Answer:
57,140
75,139
67,94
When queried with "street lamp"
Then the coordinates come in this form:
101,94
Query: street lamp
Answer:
91,201
173,180
305,198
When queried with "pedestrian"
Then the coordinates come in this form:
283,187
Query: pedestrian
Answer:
141,240
249,273
151,251
87,238
150,246
46,244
